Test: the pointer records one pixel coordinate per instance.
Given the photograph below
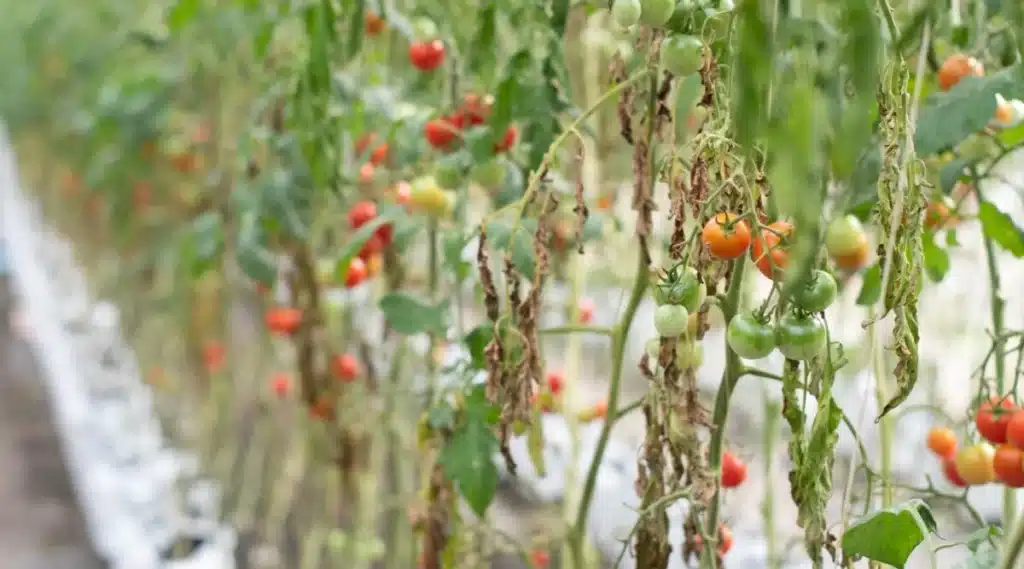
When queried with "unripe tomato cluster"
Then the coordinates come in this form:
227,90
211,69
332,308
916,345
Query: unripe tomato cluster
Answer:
999,458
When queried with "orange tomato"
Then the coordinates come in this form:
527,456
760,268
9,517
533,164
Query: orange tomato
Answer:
281,384
366,173
379,155
975,464
604,203
773,251
373,24
956,67
1008,464
942,442
1004,113
346,367
855,261
374,265
213,356
725,236
939,215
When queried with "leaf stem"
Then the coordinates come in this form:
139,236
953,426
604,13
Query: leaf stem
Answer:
734,370
619,337
576,328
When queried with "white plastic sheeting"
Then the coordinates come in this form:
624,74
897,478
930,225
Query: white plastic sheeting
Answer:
126,479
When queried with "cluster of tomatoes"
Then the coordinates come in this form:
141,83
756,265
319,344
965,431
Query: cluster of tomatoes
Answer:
445,131
1000,422
680,54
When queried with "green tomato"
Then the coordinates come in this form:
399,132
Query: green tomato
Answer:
670,320
626,13
682,55
689,354
653,348
976,147
845,236
448,174
818,294
687,290
657,13
750,338
490,174
800,337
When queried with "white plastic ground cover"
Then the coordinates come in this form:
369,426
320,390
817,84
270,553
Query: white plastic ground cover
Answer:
137,495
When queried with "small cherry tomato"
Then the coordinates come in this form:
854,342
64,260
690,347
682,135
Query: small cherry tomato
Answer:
992,423
448,173
734,470
942,442
1005,115
540,558
427,196
283,320
508,140
956,67
213,356
355,273
346,368
725,236
1008,464
426,55
366,173
670,320
361,213
939,214
626,13
750,338
817,294
373,24
440,133
800,337
949,469
379,155
604,202
724,539
974,464
556,381
856,260
373,246
476,108
374,265
772,257
403,192
364,141
689,354
490,174
656,13
1015,429
682,55
844,236
281,384
585,307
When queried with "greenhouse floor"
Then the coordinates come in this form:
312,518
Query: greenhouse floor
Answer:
40,525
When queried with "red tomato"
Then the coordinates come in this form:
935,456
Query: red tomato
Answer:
506,143
724,539
366,173
734,470
379,155
283,320
364,142
440,133
993,425
476,108
942,442
586,309
281,384
1009,466
356,273
952,474
540,558
1015,430
346,367
426,55
213,356
372,246
777,253
556,381
361,213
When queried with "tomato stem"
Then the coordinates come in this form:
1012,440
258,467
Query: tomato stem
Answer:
730,377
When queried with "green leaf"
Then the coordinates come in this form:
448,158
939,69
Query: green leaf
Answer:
688,93
985,557
203,243
468,461
356,27
476,341
951,173
183,12
999,227
871,287
441,416
965,109
453,243
936,259
499,233
983,536
483,44
255,260
889,536
408,315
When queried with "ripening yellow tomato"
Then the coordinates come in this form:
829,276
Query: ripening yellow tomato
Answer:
427,196
975,464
